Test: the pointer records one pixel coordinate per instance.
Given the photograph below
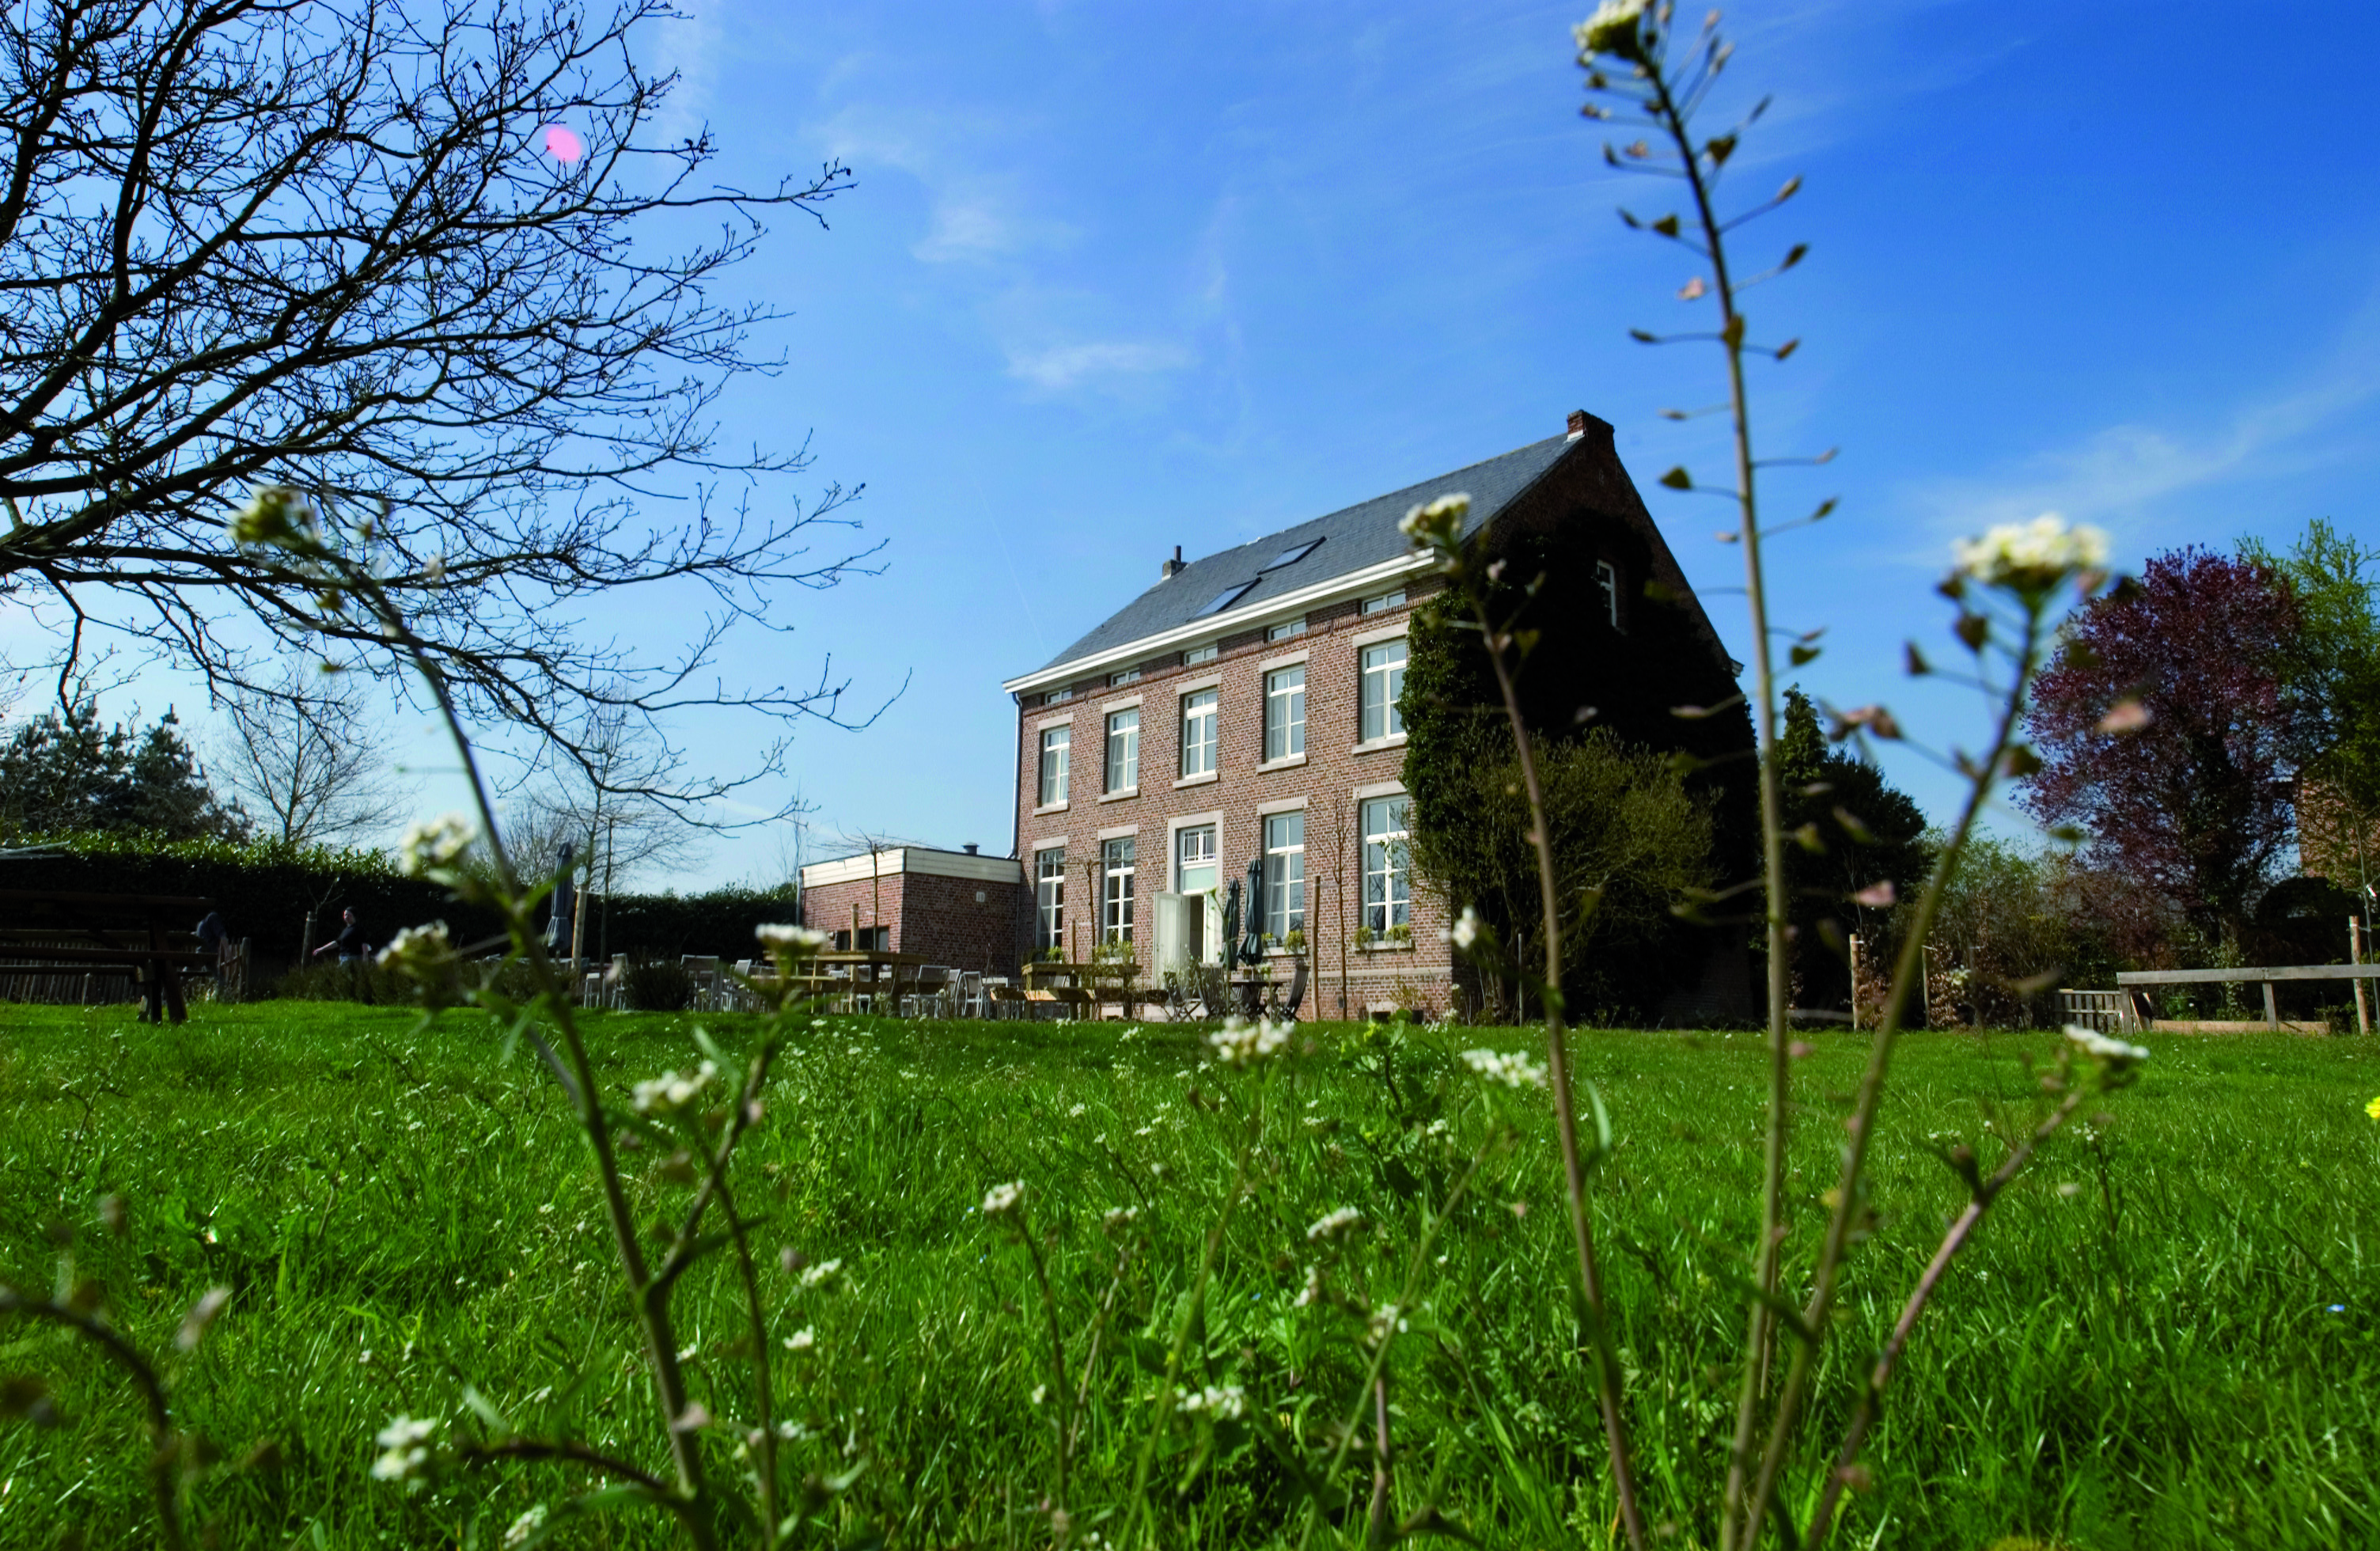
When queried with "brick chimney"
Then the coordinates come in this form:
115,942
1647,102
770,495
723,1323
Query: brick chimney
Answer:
1166,569
1577,424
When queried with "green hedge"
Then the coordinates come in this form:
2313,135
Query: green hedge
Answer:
264,890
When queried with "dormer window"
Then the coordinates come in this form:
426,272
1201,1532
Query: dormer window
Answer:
1284,630
1128,675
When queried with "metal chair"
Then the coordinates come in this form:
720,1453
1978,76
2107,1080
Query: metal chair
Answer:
1284,1008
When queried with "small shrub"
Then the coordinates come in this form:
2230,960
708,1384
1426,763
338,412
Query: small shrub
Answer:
663,987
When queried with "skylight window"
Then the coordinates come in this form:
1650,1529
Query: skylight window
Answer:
1295,554
1224,599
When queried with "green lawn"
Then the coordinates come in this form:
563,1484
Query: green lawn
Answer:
2164,1337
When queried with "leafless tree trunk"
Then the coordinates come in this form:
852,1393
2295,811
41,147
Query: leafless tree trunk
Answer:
304,758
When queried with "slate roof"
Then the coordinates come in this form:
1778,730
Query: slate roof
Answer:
1352,539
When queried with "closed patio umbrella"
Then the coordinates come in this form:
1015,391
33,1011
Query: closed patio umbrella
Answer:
1231,926
1251,941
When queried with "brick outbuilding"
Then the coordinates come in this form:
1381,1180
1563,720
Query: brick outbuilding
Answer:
955,907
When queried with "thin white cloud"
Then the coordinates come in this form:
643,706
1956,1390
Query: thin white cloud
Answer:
687,43
975,214
2118,475
1061,366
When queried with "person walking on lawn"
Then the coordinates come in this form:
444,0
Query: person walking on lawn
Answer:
350,941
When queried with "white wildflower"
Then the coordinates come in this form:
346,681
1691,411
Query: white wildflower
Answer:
1334,1225
1616,27
1513,1072
525,1526
436,844
1465,931
405,1449
1225,1403
1241,1043
1002,1200
1076,1112
1119,1216
1040,1393
273,515
1385,1321
1312,1291
2111,1056
782,939
823,1274
1436,525
669,1093
2031,557
802,1340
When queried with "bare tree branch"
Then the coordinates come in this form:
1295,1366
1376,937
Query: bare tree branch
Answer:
252,242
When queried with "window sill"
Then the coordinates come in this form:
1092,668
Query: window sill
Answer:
1384,948
1124,795
1199,780
1394,740
1053,807
1291,763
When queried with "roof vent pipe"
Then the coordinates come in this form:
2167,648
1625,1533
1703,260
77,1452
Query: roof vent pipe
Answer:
970,847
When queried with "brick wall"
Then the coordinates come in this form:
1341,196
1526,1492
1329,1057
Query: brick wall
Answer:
964,922
1323,783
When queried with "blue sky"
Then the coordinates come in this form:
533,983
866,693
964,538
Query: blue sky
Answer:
1118,277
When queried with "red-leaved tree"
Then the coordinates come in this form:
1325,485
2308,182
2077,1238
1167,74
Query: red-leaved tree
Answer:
2165,731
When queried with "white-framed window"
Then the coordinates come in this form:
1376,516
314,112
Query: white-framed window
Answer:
1056,742
1284,630
1198,711
1194,859
1607,584
1284,874
1284,734
1385,601
1196,655
1127,675
1050,897
1388,865
1384,680
1115,905
1124,749
1057,697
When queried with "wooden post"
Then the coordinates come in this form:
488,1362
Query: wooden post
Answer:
2272,1013
1856,968
2362,989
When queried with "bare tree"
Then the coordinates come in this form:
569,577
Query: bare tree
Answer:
304,759
332,248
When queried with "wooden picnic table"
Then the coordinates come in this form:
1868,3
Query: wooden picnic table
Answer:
1079,985
126,931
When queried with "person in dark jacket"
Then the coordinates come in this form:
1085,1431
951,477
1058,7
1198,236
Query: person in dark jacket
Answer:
213,934
350,942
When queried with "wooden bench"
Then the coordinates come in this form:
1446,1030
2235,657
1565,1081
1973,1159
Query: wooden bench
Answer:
2135,984
44,930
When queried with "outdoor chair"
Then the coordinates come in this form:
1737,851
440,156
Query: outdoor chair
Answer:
1285,1008
931,997
705,970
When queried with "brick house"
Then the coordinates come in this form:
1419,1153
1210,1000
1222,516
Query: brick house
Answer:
1246,708
956,907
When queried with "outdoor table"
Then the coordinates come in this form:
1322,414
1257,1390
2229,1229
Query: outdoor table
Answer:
1087,980
1250,988
873,959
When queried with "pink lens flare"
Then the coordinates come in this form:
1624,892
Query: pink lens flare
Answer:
562,142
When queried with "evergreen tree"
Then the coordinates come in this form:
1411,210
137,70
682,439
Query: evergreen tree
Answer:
1852,830
63,772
